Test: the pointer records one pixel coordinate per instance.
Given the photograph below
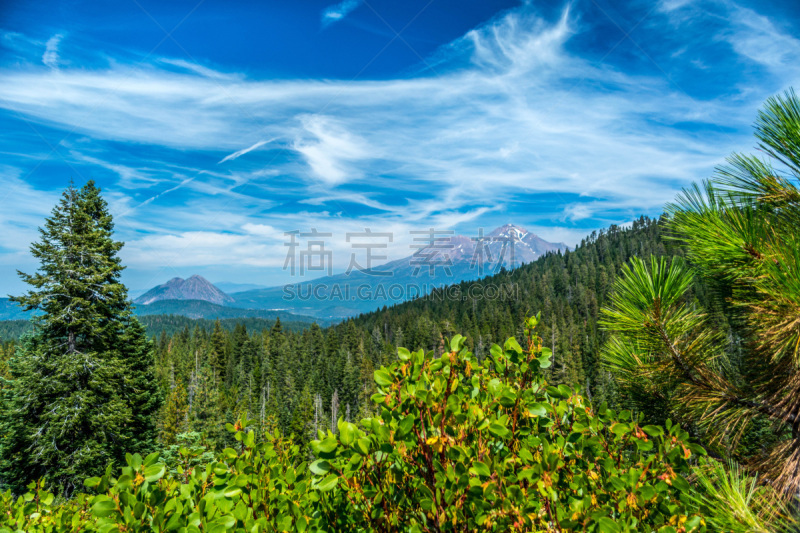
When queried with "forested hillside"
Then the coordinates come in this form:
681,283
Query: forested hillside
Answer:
303,380
300,379
155,325
569,289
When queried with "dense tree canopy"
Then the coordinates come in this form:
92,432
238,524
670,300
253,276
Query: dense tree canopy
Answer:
81,389
455,444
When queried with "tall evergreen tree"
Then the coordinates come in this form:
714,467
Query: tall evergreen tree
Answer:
174,416
82,388
206,416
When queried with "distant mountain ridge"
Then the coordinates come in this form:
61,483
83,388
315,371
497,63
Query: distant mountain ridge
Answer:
197,309
446,260
194,288
12,311
229,287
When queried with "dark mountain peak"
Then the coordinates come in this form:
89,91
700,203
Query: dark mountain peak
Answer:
198,281
194,288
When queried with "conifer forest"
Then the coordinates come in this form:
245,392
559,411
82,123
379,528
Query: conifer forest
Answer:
643,375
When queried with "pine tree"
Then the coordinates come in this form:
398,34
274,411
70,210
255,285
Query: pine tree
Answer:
83,389
742,234
219,352
5,355
175,412
303,417
206,415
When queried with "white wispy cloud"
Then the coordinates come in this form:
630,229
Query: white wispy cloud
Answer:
129,177
50,56
243,151
337,12
513,114
157,196
197,68
330,149
757,38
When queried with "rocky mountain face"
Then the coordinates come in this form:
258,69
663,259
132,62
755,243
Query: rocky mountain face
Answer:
193,288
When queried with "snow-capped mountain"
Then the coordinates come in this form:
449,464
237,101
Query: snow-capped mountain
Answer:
446,260
507,245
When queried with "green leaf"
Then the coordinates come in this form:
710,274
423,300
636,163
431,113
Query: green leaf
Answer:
647,492
496,351
327,445
403,354
456,343
231,492
240,511
347,433
226,521
480,469
405,425
46,498
328,483
154,472
620,428
134,461
538,409
512,345
104,508
363,446
607,525
692,523
497,429
382,377
320,467
681,484
151,459
230,453
653,431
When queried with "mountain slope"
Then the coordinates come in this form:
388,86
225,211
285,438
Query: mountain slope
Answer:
208,310
568,289
446,260
229,286
193,288
11,311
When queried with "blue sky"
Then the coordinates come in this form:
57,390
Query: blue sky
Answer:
214,127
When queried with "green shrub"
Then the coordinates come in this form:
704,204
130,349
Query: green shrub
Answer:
459,445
